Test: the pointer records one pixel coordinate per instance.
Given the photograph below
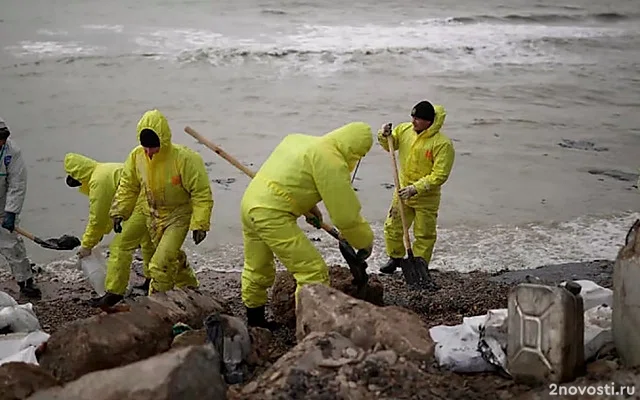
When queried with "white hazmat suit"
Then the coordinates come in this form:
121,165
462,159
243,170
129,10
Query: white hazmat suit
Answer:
13,188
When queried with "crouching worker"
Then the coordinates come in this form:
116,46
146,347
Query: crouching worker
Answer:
99,182
174,181
301,171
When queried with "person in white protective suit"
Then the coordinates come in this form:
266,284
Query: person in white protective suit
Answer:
13,188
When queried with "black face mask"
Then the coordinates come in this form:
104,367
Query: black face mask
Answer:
72,182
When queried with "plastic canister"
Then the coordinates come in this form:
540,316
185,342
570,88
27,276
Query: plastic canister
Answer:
545,333
94,270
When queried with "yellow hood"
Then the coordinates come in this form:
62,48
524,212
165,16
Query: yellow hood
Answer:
80,168
441,114
353,141
157,122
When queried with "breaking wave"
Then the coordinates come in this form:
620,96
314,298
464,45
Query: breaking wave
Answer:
610,17
451,43
461,248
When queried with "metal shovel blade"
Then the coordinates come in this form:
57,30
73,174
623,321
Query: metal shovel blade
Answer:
357,267
416,274
64,242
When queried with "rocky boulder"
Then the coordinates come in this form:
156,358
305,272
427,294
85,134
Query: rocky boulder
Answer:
330,366
324,309
283,292
112,340
19,380
186,373
195,337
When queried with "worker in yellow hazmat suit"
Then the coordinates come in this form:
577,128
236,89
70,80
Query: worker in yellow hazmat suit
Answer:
426,158
174,181
99,181
301,171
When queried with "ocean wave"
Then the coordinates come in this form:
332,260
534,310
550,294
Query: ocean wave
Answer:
460,248
450,46
609,17
54,48
446,43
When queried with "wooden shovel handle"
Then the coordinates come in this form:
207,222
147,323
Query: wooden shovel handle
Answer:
24,233
216,149
405,228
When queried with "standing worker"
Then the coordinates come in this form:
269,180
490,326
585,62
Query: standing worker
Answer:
99,181
301,171
13,189
426,158
174,181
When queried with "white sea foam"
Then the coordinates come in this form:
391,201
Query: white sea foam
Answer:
52,48
458,249
445,43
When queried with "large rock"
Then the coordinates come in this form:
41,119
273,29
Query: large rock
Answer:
194,337
186,373
324,309
283,292
19,380
626,299
112,340
330,366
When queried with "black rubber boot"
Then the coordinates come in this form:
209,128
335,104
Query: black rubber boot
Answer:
391,266
256,318
145,286
29,289
108,300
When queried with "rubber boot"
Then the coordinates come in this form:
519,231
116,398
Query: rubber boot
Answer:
108,300
144,287
29,289
256,318
391,266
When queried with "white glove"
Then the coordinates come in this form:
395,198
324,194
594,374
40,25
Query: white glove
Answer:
83,252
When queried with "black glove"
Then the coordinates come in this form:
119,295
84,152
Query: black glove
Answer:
198,236
9,222
117,224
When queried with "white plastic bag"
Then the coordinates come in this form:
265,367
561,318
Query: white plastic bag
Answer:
94,269
597,330
457,346
593,295
6,300
493,338
21,346
19,318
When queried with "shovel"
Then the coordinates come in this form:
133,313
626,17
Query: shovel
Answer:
357,266
64,242
414,269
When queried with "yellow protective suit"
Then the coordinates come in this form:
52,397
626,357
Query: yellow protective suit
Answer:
99,182
301,171
176,186
425,161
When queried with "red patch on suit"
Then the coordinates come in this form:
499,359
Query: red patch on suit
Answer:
429,155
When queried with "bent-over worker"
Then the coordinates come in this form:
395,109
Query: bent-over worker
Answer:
99,182
174,181
301,171
426,158
13,189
